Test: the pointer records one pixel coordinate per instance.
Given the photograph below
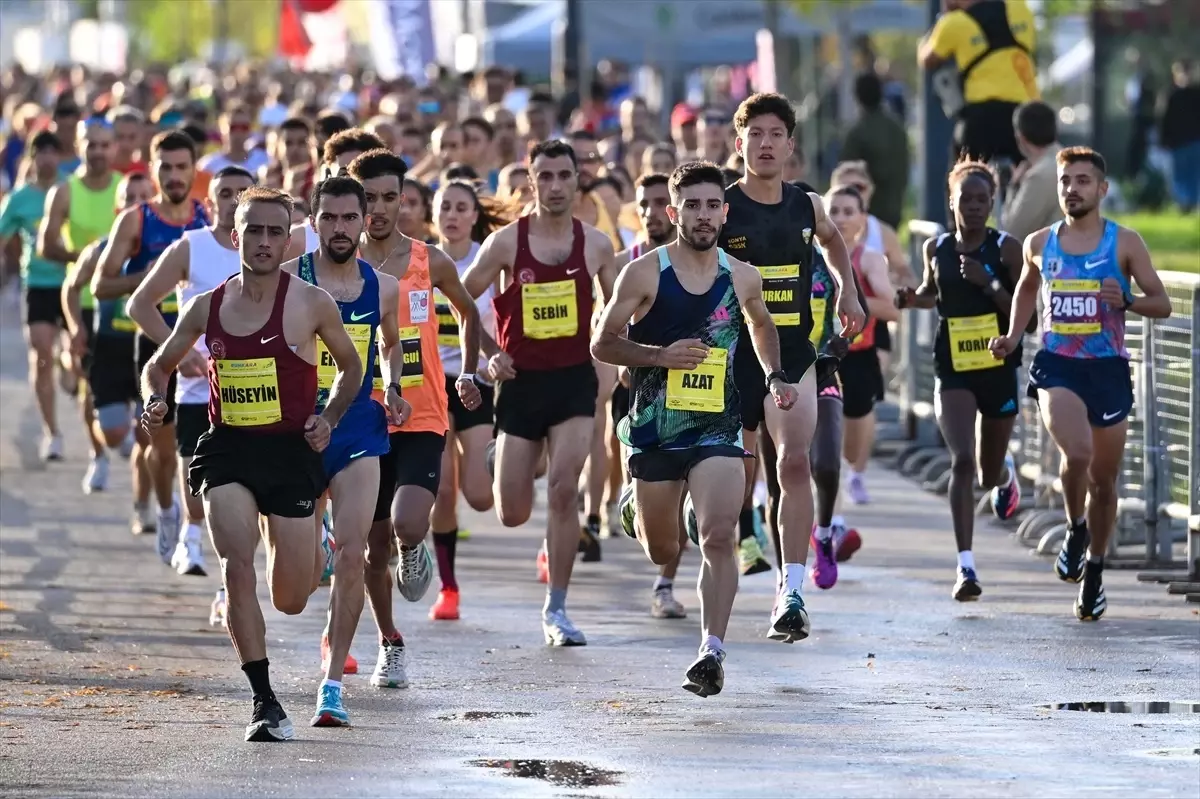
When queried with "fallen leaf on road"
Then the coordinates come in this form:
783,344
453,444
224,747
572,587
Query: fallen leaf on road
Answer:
91,690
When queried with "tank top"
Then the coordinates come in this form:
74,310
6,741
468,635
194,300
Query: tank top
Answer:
542,315
449,342
824,292
967,318
157,234
360,316
675,408
778,240
866,339
873,237
423,382
256,382
89,219
209,265
1075,323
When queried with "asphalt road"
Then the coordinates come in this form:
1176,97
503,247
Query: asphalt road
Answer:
114,685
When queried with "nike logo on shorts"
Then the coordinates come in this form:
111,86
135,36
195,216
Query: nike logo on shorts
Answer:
358,454
268,340
1108,417
357,317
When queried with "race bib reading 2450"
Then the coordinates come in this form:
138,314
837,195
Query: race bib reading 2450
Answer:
1075,307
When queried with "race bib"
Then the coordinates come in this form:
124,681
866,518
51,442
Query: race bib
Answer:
448,335
548,310
121,321
414,370
701,389
818,305
969,337
780,285
327,369
249,392
1075,307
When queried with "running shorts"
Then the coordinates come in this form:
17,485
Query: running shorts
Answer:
463,419
996,391
752,383
361,433
883,336
862,383
535,401
415,459
191,421
111,374
668,465
619,404
280,470
44,305
1104,384
143,351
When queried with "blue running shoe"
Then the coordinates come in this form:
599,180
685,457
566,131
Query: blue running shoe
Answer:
330,710
1006,499
789,622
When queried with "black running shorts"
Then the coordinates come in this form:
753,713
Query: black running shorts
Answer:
44,306
191,422
463,419
670,465
413,459
995,390
862,383
534,401
111,372
280,470
143,350
752,383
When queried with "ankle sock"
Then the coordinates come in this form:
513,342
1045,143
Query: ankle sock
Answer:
712,643
824,533
966,560
661,583
556,600
256,672
793,576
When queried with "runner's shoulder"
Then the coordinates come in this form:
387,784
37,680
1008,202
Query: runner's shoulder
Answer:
742,270
1036,241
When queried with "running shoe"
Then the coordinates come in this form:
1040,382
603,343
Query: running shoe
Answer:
143,520
1006,499
560,631
789,621
543,565
463,534
666,606
750,557
760,525
627,512
96,477
351,666
1091,604
445,607
216,613
706,676
389,667
825,571
612,521
1069,565
589,542
166,524
856,487
51,448
846,542
330,710
269,723
689,521
967,587
188,558
415,572
128,442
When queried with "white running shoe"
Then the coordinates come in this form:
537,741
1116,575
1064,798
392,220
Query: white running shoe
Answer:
188,558
167,527
128,442
143,519
666,606
216,614
389,668
415,572
96,477
560,631
52,448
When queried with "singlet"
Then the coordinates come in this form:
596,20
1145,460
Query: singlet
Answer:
360,317
90,218
449,343
873,236
542,315
778,240
423,382
967,318
157,234
678,409
209,265
824,297
866,339
1075,323
256,382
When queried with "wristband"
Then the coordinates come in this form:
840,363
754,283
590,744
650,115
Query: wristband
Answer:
777,374
1129,299
155,398
466,376
396,386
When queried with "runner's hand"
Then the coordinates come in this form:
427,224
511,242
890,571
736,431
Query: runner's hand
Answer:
500,367
398,409
1111,293
973,272
193,364
837,346
686,354
1002,347
79,342
905,297
468,392
850,314
316,432
153,415
784,394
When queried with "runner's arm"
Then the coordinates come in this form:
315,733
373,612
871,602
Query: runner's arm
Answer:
444,276
188,329
609,343
297,242
837,257
391,363
489,263
1154,302
85,265
926,294
1025,297
108,283
763,333
169,271
1010,259
875,272
50,241
332,332
897,260
606,269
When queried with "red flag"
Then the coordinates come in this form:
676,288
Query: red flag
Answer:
315,6
293,40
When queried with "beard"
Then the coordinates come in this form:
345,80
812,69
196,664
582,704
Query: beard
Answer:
337,256
702,241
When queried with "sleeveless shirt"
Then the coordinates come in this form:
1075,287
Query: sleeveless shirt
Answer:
360,317
209,265
967,318
1075,323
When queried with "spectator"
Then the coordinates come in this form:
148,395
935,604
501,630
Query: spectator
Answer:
478,149
1032,203
712,131
504,128
880,140
129,136
683,131
659,159
1181,136
235,135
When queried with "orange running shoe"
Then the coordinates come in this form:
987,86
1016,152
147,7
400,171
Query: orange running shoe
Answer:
445,607
351,663
543,566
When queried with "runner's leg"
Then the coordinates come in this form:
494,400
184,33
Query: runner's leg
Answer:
792,431
353,492
568,445
512,489
41,338
597,471
956,411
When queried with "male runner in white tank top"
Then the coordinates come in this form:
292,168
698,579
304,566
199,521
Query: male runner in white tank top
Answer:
199,262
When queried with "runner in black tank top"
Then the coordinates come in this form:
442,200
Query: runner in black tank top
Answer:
773,224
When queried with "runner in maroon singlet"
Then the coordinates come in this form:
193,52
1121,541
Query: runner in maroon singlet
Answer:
546,384
260,455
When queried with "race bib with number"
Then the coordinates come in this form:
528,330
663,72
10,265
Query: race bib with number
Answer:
249,392
969,337
1075,307
548,310
448,335
701,389
780,285
327,369
414,370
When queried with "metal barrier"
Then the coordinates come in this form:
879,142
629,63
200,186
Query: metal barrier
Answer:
1159,483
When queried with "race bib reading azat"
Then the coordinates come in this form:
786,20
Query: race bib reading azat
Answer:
701,389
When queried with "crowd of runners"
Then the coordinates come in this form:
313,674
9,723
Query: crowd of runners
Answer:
324,353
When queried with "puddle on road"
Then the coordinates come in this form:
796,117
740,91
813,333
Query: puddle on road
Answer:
567,773
482,715
1142,708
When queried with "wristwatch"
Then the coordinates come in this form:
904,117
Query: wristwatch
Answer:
155,398
396,386
1129,299
778,374
466,376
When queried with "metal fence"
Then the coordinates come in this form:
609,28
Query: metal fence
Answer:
1159,483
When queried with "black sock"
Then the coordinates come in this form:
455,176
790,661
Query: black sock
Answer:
260,681
444,545
746,524
593,522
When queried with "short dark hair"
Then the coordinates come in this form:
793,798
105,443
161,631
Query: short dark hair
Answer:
44,140
582,133
261,194
868,90
731,176
651,179
349,141
331,123
480,123
377,164
338,186
198,134
1078,155
172,141
553,148
296,123
234,171
762,104
695,173
1037,122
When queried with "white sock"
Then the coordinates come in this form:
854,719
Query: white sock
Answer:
824,533
661,582
712,643
331,684
966,560
854,474
793,576
837,521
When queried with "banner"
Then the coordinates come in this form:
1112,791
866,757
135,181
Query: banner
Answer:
402,38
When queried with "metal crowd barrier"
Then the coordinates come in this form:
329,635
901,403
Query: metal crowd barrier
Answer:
1159,483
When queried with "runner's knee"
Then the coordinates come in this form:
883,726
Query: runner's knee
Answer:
717,537
962,465
289,601
114,421
1102,487
1077,458
562,493
478,496
379,552
662,552
410,531
794,466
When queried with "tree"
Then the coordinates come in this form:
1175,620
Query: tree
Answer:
179,30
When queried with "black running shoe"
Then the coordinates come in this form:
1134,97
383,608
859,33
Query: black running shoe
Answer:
706,677
967,588
589,542
1072,556
269,723
1091,604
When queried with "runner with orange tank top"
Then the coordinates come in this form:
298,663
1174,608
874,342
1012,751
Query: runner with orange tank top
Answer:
410,473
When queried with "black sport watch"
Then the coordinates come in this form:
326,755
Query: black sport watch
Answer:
396,386
778,374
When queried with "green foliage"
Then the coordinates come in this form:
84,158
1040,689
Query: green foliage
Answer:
176,30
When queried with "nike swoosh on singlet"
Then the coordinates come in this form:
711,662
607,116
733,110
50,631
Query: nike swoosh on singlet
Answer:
1094,264
355,317
268,340
1108,416
573,271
